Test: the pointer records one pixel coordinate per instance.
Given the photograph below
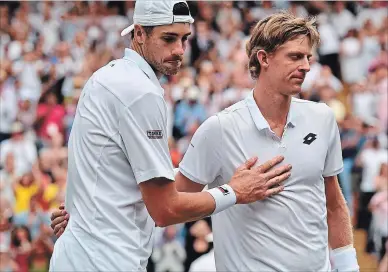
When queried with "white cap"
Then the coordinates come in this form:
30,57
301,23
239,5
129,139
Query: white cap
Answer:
156,13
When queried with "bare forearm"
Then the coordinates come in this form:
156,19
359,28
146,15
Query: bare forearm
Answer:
340,227
338,218
185,207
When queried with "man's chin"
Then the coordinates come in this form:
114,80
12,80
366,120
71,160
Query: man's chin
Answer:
296,89
170,72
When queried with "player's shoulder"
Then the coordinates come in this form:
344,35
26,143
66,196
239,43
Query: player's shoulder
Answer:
235,117
311,108
211,124
235,114
235,109
125,80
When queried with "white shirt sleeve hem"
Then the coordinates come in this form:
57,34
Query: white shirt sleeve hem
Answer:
154,173
191,177
334,173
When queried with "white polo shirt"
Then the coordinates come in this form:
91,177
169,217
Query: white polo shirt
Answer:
288,231
118,140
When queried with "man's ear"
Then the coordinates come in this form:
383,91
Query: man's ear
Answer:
262,57
139,34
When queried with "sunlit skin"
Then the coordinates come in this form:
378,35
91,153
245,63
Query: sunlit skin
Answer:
164,47
281,76
287,66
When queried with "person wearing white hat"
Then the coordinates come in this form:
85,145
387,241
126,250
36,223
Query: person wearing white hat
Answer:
120,172
22,148
189,111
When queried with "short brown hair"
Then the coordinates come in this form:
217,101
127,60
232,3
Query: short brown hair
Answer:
147,29
275,30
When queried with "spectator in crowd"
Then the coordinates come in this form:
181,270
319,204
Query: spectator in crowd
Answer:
6,214
194,247
330,45
352,139
169,254
7,264
351,56
363,100
328,95
41,251
8,177
341,18
370,159
23,149
25,188
189,111
379,68
21,247
8,102
27,113
33,218
373,11
379,208
317,77
201,41
50,117
204,237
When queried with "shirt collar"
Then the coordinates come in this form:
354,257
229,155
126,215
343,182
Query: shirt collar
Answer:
259,119
143,65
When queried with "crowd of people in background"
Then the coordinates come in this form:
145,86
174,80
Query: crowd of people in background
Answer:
48,51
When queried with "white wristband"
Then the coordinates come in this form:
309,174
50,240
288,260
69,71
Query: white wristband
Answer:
345,259
224,197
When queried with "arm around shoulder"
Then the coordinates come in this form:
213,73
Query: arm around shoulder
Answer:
167,206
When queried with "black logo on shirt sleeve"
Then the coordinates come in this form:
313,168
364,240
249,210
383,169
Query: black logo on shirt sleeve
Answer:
309,138
155,134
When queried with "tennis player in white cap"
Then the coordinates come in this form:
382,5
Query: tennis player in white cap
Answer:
120,172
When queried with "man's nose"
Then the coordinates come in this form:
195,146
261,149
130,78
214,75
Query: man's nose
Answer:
305,65
179,49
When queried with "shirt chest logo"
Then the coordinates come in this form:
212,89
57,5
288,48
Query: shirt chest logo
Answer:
309,138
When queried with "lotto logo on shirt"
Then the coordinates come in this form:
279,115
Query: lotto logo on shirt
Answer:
155,134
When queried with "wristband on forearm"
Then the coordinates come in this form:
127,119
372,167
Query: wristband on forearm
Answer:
345,259
224,197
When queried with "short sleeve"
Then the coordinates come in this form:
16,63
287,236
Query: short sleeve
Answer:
202,160
333,161
143,130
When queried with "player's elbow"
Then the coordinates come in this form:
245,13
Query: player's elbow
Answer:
160,219
165,217
162,223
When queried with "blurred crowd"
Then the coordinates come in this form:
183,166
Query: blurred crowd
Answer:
48,51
